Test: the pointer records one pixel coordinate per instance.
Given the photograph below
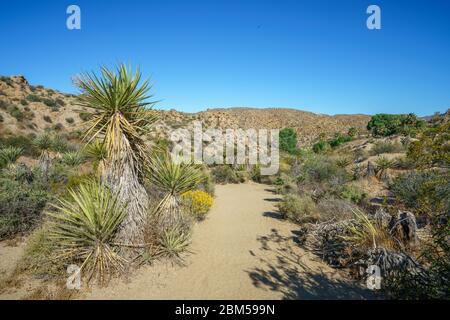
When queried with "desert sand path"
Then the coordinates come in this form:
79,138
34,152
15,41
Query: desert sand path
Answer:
241,251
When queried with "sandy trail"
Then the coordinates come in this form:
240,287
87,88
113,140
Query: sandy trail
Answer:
242,251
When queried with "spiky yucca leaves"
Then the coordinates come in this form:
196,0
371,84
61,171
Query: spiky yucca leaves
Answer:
72,158
96,151
84,226
117,103
9,155
382,165
44,142
174,241
174,178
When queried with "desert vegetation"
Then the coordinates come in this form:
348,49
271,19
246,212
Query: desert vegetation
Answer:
106,202
358,207
102,192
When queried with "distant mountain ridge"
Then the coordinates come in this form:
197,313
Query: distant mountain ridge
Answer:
27,109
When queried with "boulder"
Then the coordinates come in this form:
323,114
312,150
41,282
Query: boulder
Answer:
405,227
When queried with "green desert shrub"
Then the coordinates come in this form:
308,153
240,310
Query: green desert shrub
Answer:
426,192
299,209
339,139
386,147
60,102
23,102
288,140
23,142
1,118
83,228
224,174
75,134
70,120
432,149
405,163
285,184
353,193
85,116
38,258
47,119
320,169
49,102
255,173
15,112
207,183
20,207
353,132
321,146
390,124
75,180
60,143
33,98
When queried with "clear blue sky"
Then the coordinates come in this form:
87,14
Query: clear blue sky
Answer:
313,55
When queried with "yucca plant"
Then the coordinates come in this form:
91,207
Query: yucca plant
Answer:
96,151
174,178
119,114
44,143
72,158
174,241
9,155
83,228
382,165
343,162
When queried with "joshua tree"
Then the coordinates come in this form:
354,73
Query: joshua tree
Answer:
118,106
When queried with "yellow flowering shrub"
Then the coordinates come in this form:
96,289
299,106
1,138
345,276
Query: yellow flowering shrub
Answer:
198,202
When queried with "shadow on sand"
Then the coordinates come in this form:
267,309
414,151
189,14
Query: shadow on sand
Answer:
291,275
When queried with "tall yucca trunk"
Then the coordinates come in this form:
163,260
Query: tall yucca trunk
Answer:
122,176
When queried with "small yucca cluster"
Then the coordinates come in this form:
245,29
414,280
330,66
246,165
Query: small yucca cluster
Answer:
198,202
83,228
9,155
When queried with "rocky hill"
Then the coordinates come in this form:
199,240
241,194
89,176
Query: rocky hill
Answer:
28,109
